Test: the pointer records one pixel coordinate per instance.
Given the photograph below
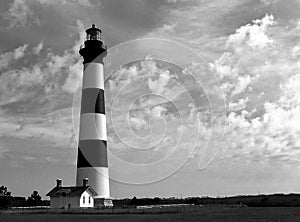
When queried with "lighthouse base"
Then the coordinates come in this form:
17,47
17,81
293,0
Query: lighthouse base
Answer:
103,203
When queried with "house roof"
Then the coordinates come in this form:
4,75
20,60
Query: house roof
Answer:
70,191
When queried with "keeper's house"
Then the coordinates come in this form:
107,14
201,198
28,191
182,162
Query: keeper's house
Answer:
72,197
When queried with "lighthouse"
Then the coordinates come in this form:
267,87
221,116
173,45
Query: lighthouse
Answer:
92,147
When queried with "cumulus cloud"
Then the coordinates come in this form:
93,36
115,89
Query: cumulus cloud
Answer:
239,105
11,56
240,67
224,67
53,70
253,34
36,50
74,76
259,76
273,135
157,111
157,106
242,84
296,51
256,65
137,123
36,99
157,86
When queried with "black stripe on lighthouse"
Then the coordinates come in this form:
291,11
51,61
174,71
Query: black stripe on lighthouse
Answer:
92,101
92,153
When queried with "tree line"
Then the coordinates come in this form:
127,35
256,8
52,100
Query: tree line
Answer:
271,200
8,201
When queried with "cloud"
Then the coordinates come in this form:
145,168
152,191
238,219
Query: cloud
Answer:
296,51
36,50
255,63
254,35
51,75
172,1
28,158
258,73
137,123
64,2
157,111
242,83
8,57
269,2
19,14
239,105
240,67
157,86
74,76
3,149
157,106
36,97
252,64
272,137
54,129
52,159
223,66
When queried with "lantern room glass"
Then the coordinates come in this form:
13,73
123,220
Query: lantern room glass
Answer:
96,36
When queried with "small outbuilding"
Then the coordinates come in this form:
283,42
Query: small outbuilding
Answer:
72,197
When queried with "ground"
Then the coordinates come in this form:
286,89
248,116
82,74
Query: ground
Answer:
265,214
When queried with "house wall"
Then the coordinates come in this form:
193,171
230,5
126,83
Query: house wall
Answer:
54,202
86,195
74,201
64,202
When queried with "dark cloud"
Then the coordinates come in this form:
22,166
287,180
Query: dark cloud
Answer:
247,11
240,15
131,18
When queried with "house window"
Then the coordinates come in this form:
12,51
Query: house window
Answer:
89,200
83,201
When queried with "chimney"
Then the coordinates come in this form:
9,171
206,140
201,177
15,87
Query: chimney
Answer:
85,182
58,182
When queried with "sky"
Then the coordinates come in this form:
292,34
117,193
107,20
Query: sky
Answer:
211,107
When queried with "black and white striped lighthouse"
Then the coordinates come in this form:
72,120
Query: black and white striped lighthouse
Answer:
92,149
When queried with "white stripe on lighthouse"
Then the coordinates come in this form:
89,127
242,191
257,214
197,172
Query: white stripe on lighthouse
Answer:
98,178
93,76
92,127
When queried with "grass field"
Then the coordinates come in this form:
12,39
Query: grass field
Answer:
265,214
